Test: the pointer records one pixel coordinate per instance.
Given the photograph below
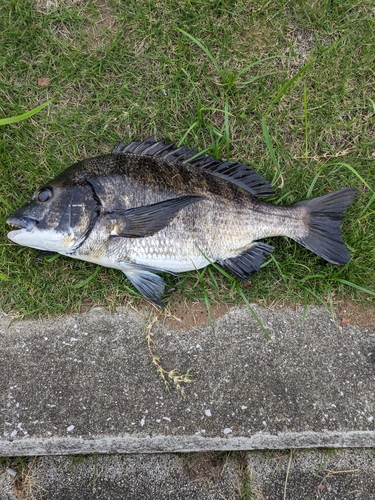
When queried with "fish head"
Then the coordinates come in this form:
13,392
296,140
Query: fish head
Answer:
56,218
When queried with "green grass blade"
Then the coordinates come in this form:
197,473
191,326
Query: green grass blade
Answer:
353,170
286,86
202,152
306,122
290,82
312,277
226,126
365,210
4,277
349,167
201,46
267,138
255,78
192,85
181,141
254,314
218,111
87,280
24,116
272,259
52,258
312,185
271,151
212,276
335,44
8,205
283,197
319,299
353,285
260,61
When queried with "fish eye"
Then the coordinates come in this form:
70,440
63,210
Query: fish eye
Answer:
45,194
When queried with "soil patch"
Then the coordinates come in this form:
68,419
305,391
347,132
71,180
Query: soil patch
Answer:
356,313
183,315
205,467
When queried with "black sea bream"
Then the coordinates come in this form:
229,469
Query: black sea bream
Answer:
152,207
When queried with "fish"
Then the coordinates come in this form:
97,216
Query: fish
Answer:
152,207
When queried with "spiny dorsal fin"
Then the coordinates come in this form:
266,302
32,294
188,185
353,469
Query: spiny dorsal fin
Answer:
237,173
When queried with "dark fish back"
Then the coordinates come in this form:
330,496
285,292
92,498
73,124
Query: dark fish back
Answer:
172,170
236,173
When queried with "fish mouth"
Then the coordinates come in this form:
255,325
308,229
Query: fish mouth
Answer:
22,222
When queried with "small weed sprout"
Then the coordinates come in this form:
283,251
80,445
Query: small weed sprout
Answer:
169,377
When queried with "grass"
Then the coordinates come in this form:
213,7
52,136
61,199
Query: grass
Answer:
21,469
286,88
247,487
24,116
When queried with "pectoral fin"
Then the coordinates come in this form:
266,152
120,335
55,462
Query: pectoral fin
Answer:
148,220
44,253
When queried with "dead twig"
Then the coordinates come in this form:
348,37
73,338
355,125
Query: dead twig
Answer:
287,472
340,471
326,156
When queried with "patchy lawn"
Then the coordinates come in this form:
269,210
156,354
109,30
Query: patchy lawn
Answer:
118,71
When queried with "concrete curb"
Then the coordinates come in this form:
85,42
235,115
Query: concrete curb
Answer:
86,384
178,444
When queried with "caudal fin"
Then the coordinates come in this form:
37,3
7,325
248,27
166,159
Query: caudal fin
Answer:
324,215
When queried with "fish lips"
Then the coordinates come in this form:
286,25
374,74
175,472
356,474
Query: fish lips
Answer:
26,223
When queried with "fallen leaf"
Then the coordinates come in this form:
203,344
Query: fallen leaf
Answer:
247,285
43,82
345,320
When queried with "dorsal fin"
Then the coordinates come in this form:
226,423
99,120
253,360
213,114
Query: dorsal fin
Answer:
236,173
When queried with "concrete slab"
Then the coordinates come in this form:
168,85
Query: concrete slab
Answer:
85,384
273,475
303,475
135,477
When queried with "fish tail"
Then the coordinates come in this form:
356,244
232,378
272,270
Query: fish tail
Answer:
322,233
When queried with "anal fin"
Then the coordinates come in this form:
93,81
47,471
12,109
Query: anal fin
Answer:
248,262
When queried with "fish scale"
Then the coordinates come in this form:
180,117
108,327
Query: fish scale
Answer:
151,207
